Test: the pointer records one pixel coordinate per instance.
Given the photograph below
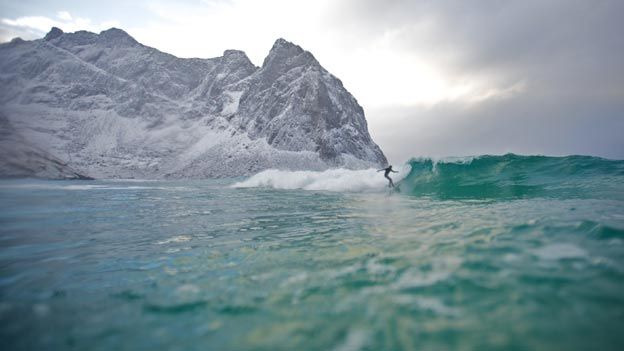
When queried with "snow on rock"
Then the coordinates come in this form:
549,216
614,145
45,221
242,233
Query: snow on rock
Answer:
105,106
231,107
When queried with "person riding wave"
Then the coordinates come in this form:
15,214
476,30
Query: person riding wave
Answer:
387,171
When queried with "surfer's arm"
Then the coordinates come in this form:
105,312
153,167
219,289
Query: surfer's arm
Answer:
393,171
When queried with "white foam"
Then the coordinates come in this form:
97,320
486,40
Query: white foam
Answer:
330,180
355,340
175,239
560,251
426,303
443,269
187,289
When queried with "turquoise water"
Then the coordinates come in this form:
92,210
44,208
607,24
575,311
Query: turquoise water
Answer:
494,253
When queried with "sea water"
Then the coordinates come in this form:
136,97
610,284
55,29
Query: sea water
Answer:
489,253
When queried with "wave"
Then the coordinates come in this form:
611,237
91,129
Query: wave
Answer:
344,180
479,177
515,176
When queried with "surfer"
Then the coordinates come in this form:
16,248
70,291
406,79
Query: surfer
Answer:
387,171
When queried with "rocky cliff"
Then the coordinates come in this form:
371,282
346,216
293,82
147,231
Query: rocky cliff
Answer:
105,106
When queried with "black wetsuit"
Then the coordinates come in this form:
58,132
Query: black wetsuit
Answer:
387,171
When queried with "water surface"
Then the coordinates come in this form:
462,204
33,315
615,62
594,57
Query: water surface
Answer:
445,264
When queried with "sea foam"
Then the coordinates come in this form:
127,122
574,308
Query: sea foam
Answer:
366,180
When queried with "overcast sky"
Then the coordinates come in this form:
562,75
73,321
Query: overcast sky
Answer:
435,78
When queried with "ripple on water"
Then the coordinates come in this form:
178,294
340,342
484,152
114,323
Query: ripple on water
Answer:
263,269
176,308
175,239
560,251
440,270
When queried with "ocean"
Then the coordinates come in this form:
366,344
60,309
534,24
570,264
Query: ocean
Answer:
485,253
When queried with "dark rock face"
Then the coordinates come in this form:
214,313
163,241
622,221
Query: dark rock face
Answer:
112,107
53,34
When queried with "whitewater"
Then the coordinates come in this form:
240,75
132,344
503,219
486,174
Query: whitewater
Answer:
368,180
482,253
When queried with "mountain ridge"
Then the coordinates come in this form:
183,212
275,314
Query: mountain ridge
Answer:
113,107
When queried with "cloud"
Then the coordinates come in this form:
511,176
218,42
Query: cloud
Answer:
443,77
214,26
64,15
554,47
523,125
364,60
556,67
32,27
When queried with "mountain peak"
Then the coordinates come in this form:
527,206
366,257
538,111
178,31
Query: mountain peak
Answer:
54,33
283,47
237,59
118,35
229,117
283,51
17,40
114,31
234,54
283,43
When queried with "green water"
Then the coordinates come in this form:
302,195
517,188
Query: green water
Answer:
497,253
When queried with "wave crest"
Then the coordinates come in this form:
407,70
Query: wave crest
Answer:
480,177
515,176
366,180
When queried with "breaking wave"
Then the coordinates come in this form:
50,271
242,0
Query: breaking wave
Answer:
481,177
515,176
366,180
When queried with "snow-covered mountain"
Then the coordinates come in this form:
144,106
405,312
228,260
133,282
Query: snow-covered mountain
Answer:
105,106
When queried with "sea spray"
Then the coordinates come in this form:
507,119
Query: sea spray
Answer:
367,180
